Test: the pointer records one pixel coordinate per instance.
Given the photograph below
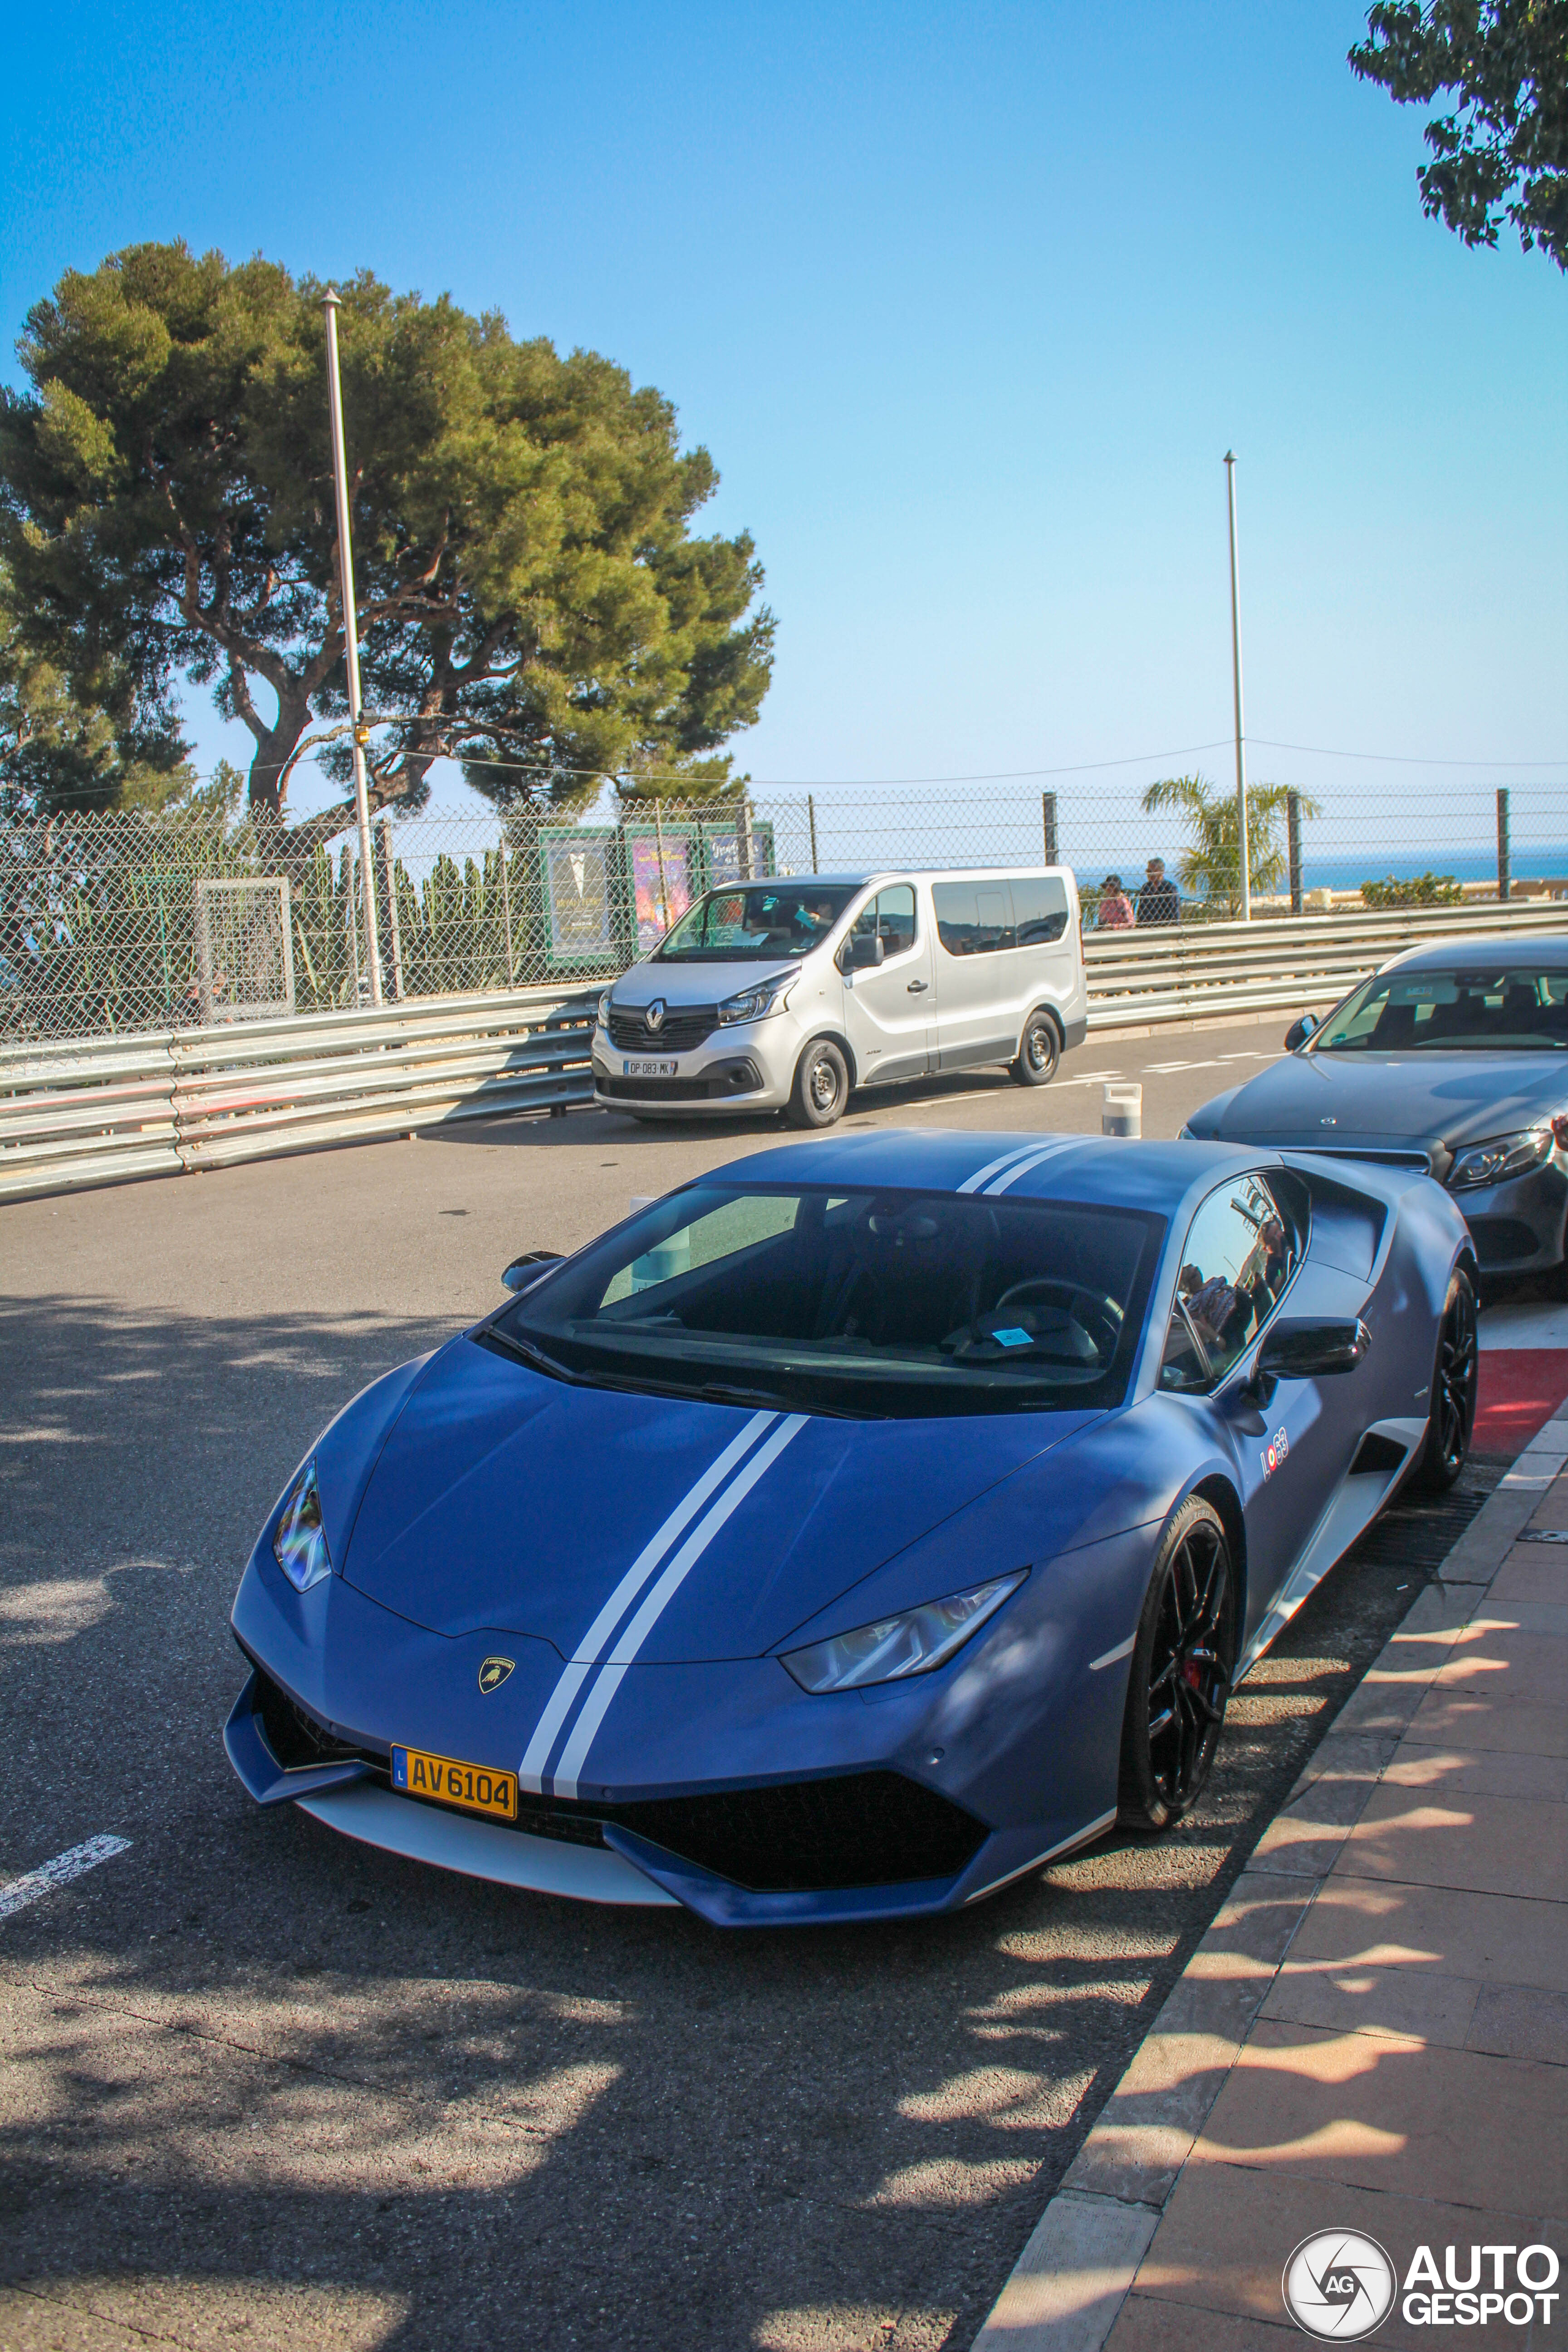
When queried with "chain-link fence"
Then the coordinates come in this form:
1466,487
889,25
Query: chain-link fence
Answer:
122,921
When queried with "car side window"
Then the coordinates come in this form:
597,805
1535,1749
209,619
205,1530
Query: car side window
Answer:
1239,1255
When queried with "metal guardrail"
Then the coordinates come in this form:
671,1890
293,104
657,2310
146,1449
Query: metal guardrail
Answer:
1222,969
172,1101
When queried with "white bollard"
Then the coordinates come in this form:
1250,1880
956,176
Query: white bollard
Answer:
1122,1112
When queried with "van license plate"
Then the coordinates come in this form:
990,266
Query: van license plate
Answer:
649,1069
447,1782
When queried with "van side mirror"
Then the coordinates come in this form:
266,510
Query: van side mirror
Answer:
529,1269
863,950
1299,1030
1299,1348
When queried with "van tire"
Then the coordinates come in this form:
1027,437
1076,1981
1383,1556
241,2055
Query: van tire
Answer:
821,1085
1039,1051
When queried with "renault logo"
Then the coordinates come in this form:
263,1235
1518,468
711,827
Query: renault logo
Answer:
494,1672
654,1017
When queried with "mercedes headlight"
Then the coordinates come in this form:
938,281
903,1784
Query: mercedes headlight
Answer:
605,1008
1504,1156
914,1643
299,1546
756,1003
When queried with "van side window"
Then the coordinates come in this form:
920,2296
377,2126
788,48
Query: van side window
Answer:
974,918
895,918
1039,910
890,917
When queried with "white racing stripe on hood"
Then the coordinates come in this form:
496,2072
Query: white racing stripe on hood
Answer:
590,1649
1033,1160
596,1704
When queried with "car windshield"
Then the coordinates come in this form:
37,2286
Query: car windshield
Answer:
1507,1009
870,1303
757,922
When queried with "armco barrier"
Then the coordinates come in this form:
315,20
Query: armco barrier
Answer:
1211,970
170,1100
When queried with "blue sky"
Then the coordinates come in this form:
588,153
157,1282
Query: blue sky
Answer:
968,303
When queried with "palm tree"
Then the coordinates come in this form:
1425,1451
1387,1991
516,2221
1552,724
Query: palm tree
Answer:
1210,867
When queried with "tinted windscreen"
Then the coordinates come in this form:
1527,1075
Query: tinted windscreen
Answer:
757,922
858,1302
1512,1008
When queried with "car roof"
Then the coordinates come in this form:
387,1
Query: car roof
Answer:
1114,1171
1549,949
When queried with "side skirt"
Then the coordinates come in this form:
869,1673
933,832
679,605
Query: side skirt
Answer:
1351,1509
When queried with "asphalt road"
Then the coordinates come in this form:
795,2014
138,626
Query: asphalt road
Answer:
262,2086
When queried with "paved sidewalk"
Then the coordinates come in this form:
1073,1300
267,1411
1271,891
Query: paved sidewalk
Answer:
1373,2034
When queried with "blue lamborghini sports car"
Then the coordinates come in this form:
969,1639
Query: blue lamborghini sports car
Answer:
858,1528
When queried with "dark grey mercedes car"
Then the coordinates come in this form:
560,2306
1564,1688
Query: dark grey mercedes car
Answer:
1453,1058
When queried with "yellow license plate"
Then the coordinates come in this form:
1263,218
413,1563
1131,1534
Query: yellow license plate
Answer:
474,1787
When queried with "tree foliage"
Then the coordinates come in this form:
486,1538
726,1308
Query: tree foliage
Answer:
61,749
1502,151
1210,865
532,600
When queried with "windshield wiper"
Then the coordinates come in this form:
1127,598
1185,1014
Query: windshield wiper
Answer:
726,1393
492,1336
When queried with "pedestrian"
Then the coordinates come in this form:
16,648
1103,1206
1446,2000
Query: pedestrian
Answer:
1158,901
1114,912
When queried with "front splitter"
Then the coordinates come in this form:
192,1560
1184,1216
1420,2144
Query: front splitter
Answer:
479,1850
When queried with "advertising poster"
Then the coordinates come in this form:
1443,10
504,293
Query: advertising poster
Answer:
661,901
579,893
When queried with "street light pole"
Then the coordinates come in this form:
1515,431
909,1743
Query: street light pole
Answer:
351,644
1241,725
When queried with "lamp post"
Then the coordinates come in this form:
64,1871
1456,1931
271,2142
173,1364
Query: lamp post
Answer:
330,304
1240,727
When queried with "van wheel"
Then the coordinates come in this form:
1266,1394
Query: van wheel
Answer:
821,1086
1039,1052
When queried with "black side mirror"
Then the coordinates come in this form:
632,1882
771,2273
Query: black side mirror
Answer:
1299,1030
863,952
1296,1349
529,1269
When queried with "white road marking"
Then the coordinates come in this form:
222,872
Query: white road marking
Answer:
1521,1323
18,1893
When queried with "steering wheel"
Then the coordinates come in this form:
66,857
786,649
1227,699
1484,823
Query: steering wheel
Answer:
1103,1309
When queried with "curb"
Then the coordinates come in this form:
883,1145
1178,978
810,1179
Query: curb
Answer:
1069,2285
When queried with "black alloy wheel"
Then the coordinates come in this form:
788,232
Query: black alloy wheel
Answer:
1039,1051
1179,1678
821,1086
1452,1417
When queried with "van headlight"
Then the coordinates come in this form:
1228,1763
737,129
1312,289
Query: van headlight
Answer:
299,1546
1504,1156
916,1641
756,1003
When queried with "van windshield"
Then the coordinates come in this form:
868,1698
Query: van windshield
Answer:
855,1302
757,922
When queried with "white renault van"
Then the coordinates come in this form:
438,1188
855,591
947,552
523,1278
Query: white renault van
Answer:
783,994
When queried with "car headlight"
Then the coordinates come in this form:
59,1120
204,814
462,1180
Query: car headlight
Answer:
605,1008
756,1003
1504,1156
914,1643
299,1546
